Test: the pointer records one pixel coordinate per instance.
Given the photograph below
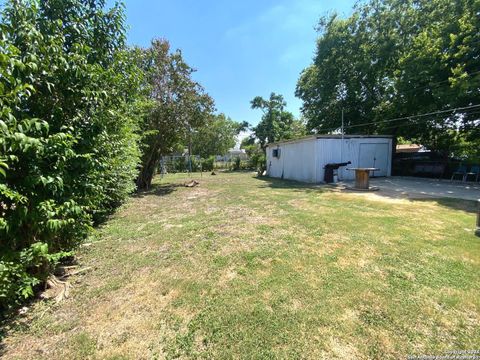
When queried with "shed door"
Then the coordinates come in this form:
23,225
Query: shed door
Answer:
374,155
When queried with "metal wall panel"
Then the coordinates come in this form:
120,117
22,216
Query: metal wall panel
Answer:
348,149
296,161
304,160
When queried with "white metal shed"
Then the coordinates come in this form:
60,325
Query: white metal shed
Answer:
304,159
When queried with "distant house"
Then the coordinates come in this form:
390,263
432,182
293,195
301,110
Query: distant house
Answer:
410,148
232,154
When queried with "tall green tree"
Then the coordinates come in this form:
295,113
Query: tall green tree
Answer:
68,144
276,123
177,106
217,136
393,59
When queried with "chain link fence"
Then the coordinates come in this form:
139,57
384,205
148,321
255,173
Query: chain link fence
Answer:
194,163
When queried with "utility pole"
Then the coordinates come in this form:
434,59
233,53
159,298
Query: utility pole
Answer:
190,150
341,147
342,124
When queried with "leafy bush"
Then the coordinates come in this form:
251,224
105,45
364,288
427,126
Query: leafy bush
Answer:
208,164
196,164
180,164
257,160
236,164
21,272
68,143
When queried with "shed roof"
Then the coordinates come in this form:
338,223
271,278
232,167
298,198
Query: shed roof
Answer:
409,148
330,136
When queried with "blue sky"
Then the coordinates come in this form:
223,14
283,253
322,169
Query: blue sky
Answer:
240,49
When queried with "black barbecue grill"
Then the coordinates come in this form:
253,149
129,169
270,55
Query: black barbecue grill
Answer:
331,169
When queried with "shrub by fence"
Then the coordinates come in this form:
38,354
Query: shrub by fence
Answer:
179,164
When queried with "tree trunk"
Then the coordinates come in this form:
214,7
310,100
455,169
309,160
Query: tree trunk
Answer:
149,167
144,180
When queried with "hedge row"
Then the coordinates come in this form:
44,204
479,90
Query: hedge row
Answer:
69,110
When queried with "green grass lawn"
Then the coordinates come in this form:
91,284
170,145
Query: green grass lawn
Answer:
241,267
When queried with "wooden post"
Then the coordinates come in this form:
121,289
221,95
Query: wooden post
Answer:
477,230
362,180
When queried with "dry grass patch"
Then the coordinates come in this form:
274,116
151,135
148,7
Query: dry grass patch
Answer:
240,267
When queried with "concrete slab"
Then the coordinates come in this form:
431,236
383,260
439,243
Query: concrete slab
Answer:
410,187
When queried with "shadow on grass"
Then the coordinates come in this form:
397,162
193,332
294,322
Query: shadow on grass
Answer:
469,206
157,190
11,320
241,171
7,325
275,183
3,335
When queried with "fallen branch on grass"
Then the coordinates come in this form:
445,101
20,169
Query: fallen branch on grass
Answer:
57,287
191,183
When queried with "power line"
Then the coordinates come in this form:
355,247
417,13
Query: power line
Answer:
413,116
423,120
409,117
419,115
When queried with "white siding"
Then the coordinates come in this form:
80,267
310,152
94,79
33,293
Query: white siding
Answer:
328,151
296,161
334,151
375,155
304,160
274,165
